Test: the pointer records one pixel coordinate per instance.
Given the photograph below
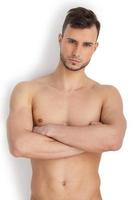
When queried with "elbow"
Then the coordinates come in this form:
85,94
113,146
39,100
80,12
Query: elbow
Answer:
16,150
114,144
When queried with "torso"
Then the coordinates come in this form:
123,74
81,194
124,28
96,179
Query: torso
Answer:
76,177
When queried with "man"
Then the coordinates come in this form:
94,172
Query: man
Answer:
65,120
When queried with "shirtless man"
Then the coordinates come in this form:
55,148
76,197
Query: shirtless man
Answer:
65,120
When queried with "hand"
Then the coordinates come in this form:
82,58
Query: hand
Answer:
41,129
95,123
46,130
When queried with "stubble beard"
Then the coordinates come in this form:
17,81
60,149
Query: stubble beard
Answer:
71,69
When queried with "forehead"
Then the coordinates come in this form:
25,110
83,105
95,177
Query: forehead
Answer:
86,34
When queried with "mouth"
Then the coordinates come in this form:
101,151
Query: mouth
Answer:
74,60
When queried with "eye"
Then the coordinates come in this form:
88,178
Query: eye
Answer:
88,44
71,41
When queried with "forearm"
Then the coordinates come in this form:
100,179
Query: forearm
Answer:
32,145
91,138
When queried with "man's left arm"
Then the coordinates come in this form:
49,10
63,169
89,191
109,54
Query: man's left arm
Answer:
96,137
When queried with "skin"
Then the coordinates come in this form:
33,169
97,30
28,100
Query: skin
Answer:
64,121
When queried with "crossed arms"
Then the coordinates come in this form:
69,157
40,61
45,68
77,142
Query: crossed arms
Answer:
54,141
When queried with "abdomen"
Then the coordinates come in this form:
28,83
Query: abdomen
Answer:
66,179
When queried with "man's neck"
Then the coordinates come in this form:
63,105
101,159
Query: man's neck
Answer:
68,80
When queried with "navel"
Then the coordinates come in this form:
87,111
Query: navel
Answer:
64,183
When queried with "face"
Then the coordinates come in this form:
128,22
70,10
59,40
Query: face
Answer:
77,47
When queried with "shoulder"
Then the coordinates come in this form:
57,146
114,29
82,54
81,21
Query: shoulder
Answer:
111,96
29,88
109,90
21,93
22,88
104,88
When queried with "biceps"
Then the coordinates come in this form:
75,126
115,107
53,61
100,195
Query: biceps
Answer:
21,119
17,123
112,116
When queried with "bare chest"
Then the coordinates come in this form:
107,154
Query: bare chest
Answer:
77,108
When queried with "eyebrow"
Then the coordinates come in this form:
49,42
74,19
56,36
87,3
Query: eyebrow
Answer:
89,43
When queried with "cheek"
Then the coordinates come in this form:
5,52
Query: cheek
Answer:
66,50
89,53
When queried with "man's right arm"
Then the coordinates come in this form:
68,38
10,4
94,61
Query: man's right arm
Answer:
22,141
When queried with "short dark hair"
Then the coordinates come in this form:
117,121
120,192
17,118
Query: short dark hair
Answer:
81,18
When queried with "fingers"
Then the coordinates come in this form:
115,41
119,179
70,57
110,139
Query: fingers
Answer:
37,129
40,129
95,123
34,129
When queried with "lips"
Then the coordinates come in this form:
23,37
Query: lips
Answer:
73,60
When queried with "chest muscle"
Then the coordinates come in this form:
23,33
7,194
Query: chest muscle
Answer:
78,108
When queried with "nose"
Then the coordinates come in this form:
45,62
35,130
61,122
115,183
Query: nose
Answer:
77,51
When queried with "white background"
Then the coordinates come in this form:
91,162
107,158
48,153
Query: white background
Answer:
29,48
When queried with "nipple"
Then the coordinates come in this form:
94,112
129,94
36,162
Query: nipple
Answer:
40,120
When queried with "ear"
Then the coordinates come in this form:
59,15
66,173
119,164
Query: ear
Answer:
60,38
96,45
